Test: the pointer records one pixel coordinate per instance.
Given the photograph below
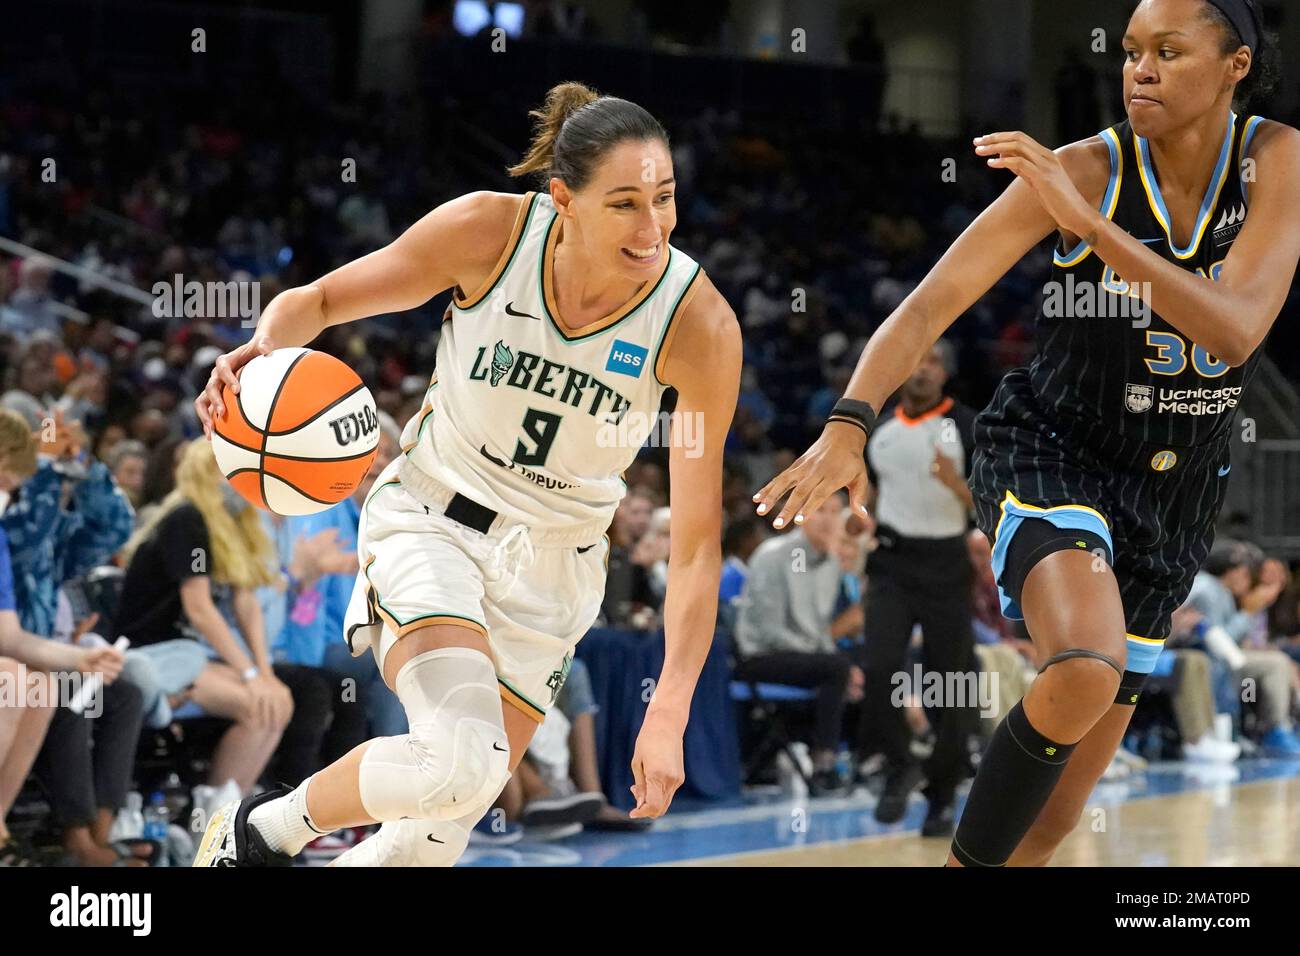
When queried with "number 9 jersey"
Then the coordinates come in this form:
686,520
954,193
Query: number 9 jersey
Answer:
532,419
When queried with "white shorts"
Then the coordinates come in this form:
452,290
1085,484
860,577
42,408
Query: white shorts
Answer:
419,567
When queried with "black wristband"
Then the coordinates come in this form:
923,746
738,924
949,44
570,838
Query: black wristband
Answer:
853,412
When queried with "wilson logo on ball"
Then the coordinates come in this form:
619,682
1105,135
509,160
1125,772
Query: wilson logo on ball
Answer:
356,425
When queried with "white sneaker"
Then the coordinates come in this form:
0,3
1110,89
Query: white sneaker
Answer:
1117,769
1130,759
1209,749
1228,748
209,799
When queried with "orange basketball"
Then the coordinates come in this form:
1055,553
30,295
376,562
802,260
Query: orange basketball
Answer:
301,433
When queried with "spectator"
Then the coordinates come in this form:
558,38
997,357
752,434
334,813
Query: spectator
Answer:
1193,697
85,764
205,546
1227,598
110,436
24,720
318,555
1002,653
564,784
31,308
127,465
1284,615
783,633
651,555
629,599
86,787
740,539
160,475
64,519
66,765
850,617
632,518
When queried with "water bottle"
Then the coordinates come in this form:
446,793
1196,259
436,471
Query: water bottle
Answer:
129,824
844,765
156,819
177,797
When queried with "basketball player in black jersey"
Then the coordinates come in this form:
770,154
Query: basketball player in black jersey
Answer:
1099,470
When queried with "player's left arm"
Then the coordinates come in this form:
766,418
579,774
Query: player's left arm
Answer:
1228,318
703,363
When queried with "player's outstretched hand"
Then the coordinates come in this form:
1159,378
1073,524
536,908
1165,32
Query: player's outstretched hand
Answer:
208,404
1041,168
833,462
657,766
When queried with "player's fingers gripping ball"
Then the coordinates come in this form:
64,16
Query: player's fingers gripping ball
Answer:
300,435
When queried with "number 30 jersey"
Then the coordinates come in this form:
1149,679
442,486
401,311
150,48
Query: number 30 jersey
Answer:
1101,357
531,419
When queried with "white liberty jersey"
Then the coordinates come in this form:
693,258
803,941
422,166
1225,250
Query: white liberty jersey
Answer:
531,419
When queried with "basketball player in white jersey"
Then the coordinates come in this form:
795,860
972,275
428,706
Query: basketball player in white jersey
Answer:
482,545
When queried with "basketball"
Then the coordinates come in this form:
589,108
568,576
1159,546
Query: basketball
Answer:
301,433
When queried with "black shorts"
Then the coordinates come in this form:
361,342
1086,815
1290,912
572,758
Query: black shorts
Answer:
1155,506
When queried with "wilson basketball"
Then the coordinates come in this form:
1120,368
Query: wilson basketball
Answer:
301,433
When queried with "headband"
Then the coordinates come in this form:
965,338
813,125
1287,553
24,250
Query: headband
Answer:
1244,17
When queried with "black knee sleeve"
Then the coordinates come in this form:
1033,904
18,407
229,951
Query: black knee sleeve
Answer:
1034,540
1130,688
1016,776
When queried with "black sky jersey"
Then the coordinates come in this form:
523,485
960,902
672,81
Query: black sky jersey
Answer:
1098,357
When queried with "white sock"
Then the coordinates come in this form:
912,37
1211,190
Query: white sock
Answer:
285,824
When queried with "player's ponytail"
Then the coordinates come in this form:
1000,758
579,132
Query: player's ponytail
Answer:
574,128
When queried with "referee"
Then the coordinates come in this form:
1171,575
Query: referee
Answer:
920,573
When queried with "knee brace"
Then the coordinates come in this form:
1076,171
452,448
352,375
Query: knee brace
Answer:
1130,684
456,756
1084,652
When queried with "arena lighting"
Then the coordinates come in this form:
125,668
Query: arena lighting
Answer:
471,16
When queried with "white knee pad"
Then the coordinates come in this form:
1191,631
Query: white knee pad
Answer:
456,756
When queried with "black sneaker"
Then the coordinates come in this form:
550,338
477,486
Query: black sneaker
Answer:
898,787
940,820
825,783
561,809
230,841
16,854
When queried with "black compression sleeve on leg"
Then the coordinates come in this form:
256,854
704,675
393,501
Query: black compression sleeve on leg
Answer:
1130,688
1015,778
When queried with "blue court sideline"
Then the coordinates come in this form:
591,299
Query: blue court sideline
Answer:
755,823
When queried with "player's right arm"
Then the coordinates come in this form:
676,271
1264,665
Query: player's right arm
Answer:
456,244
1002,234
